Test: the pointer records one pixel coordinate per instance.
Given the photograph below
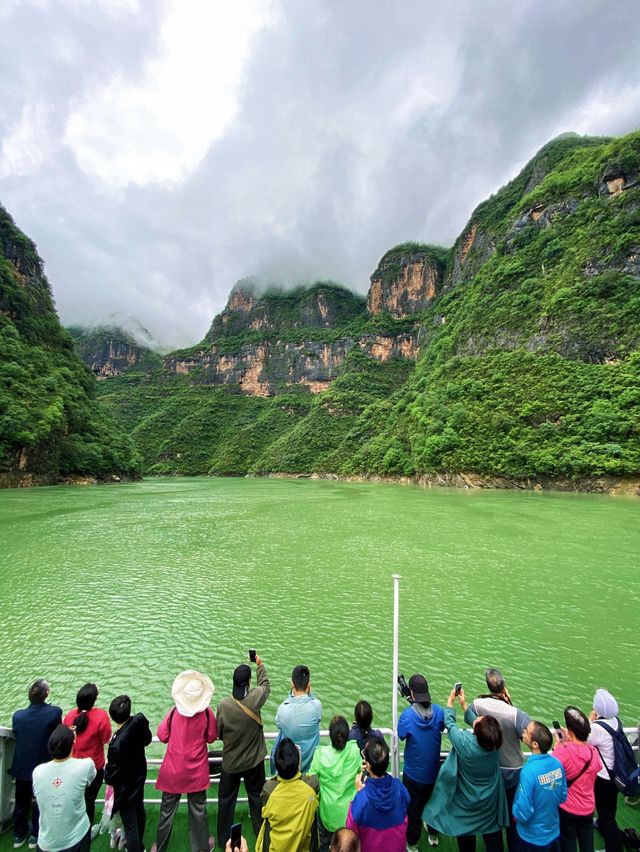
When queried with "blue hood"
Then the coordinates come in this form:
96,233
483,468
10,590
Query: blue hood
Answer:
382,804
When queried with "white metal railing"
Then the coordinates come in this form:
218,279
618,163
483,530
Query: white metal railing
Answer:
6,782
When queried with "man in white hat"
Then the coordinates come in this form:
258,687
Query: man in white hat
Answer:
187,729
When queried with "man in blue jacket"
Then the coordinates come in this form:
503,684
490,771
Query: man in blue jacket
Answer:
299,715
542,788
421,726
32,728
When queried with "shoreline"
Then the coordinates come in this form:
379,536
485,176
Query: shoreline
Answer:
614,486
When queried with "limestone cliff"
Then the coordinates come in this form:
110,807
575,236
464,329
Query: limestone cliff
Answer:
110,351
407,279
318,305
265,344
275,366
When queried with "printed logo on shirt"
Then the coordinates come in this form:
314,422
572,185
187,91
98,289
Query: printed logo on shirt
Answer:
57,782
552,778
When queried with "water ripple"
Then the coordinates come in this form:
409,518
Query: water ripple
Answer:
127,585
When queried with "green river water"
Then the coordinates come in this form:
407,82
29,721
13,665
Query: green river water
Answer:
126,585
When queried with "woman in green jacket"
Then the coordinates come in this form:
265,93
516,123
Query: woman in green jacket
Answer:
469,797
336,766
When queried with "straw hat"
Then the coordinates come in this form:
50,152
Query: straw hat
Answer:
192,692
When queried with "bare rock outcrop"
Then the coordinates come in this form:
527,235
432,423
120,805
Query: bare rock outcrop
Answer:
407,280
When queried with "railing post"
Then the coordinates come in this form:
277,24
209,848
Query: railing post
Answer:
7,743
394,685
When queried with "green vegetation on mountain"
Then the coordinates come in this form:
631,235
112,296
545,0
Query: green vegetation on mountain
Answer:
192,428
50,423
536,369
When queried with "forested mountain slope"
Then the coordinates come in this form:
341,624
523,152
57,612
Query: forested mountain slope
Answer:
512,357
51,425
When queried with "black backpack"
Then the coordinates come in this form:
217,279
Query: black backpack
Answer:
624,773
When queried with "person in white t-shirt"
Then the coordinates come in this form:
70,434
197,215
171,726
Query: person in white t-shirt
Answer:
59,787
605,708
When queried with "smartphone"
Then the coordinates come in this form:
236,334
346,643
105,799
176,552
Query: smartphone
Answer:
252,655
236,835
557,730
457,687
364,775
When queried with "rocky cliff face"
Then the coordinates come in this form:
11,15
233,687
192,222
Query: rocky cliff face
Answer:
110,352
407,280
320,305
275,366
266,343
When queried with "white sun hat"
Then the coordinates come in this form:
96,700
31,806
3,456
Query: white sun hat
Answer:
192,692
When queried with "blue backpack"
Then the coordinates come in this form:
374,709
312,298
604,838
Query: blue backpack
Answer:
624,773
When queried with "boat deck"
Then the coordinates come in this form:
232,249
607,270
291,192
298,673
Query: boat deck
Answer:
627,817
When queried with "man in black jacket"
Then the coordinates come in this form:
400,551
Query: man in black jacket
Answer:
126,769
32,728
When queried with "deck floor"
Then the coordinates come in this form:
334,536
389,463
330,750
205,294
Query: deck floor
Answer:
627,817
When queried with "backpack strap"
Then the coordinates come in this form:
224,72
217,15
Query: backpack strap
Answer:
248,712
169,720
612,734
583,770
608,728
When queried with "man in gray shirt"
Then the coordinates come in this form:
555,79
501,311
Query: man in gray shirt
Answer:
513,722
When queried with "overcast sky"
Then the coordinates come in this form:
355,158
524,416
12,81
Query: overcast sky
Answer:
158,150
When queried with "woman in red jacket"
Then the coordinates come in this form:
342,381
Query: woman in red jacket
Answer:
93,731
187,729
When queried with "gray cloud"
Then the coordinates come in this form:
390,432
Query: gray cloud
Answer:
154,169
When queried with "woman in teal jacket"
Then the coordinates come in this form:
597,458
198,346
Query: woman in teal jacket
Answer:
469,797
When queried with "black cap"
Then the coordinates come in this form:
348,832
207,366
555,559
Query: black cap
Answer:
241,678
420,688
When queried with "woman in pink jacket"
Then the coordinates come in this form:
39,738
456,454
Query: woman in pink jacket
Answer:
185,767
581,763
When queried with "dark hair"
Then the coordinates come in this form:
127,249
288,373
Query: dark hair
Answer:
38,691
339,732
488,733
60,742
542,735
345,840
300,677
363,716
495,681
577,723
120,709
85,699
376,753
287,759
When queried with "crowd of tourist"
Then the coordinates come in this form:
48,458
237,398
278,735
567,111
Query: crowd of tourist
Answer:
338,796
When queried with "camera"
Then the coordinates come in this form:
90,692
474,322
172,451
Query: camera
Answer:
403,688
